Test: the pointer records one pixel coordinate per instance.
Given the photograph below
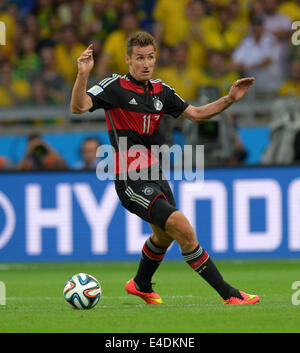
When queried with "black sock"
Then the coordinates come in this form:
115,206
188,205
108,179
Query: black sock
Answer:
152,256
200,261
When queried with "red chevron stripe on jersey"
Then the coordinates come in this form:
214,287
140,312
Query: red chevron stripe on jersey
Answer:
134,159
129,85
144,124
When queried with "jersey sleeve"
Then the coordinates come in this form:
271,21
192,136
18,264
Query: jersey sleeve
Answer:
174,104
102,94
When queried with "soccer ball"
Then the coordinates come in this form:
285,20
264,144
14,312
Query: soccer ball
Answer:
82,291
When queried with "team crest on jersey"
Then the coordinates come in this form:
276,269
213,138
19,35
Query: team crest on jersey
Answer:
148,190
157,104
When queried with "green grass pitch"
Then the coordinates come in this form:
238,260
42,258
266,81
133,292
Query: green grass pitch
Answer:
35,303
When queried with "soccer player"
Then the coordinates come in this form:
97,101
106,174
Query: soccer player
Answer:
134,104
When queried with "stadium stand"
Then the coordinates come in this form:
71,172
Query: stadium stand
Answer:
202,46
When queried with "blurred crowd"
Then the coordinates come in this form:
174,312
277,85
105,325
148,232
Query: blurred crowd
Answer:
201,43
41,155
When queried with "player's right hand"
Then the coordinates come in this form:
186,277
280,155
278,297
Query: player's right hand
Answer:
86,61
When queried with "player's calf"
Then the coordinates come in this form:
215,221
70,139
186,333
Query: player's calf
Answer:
179,228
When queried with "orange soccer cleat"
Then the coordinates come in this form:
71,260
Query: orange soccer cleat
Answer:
247,299
149,298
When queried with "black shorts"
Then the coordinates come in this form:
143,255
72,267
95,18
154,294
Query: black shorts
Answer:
153,201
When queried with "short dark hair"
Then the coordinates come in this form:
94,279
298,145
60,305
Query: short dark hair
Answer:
140,39
91,138
34,135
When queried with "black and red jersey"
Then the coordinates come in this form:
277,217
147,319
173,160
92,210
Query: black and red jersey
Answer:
133,110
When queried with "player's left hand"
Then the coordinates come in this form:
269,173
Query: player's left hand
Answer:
239,88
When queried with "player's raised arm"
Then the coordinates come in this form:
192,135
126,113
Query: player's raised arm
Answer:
205,112
80,101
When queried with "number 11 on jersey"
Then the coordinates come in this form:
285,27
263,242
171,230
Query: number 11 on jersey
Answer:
146,128
147,122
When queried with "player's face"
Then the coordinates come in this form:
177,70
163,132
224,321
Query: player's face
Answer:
141,62
89,150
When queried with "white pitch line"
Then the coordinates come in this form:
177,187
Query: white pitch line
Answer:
103,297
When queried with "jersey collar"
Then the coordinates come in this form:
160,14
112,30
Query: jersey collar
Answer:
138,83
